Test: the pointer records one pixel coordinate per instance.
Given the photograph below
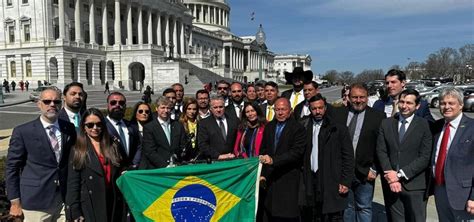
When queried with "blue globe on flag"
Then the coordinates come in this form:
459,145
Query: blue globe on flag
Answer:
194,202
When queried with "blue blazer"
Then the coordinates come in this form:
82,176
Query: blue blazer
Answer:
423,111
32,172
459,165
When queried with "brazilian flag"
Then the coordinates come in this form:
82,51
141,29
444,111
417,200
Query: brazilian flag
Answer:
221,191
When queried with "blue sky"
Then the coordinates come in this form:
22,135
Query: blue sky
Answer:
354,35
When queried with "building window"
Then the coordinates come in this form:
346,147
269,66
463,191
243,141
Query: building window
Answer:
13,69
26,29
28,68
98,11
9,2
11,34
86,8
55,2
71,4
24,1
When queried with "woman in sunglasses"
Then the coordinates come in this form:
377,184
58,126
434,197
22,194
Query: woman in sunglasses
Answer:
92,194
189,120
141,116
250,133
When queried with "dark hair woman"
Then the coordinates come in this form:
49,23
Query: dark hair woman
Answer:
189,120
250,133
141,116
92,194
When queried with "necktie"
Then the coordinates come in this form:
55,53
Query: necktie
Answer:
166,128
270,113
222,127
122,136
352,125
295,100
401,133
76,120
315,150
54,142
439,170
394,107
239,108
278,131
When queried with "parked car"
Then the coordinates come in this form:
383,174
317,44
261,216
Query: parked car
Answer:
469,99
431,96
34,96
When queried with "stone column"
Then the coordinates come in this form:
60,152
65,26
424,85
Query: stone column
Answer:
175,36
208,15
223,57
62,26
214,20
140,24
181,37
117,26
92,22
158,29
167,32
105,28
129,24
221,17
201,14
77,21
150,27
195,15
190,43
231,58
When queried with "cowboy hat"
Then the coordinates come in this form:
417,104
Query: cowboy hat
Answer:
306,76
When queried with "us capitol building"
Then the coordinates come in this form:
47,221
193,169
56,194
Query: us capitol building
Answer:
129,43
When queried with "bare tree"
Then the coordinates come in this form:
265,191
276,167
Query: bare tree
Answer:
346,77
370,75
331,76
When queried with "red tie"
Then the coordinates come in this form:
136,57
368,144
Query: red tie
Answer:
439,173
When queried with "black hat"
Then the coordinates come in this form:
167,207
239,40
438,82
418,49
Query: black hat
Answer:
306,76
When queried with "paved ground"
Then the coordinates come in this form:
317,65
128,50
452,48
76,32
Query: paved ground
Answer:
11,116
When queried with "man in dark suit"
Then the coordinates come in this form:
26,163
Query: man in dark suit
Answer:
171,95
363,123
236,102
404,150
163,138
453,171
179,90
310,89
216,133
202,97
297,78
271,95
121,131
328,164
73,102
282,151
223,90
37,160
395,81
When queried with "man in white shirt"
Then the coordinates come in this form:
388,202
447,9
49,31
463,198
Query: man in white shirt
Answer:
236,103
73,103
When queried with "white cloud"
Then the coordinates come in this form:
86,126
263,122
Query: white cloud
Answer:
385,8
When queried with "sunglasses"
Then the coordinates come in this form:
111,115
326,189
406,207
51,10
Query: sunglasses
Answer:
91,125
114,102
220,88
141,111
49,101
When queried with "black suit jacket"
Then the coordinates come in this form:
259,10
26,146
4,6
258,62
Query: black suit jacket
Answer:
32,172
88,195
412,155
210,140
283,176
365,155
335,163
287,93
127,160
156,151
63,115
230,110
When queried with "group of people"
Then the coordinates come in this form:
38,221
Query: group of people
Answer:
319,161
23,85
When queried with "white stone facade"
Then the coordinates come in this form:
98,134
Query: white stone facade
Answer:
128,43
287,62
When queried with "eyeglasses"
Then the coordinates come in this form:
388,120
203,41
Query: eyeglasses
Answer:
114,102
141,111
91,125
49,101
220,88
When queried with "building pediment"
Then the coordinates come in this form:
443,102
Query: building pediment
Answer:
9,22
25,19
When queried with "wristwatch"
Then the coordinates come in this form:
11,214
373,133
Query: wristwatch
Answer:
399,175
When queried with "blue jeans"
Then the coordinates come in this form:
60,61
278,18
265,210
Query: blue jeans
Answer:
360,198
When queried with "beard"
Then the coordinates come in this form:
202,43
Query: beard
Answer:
117,114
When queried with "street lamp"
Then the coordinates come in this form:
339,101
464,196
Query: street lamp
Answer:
170,45
260,38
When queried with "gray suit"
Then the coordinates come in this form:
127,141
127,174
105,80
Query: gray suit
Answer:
412,156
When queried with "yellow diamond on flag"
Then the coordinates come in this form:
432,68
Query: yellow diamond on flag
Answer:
192,199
